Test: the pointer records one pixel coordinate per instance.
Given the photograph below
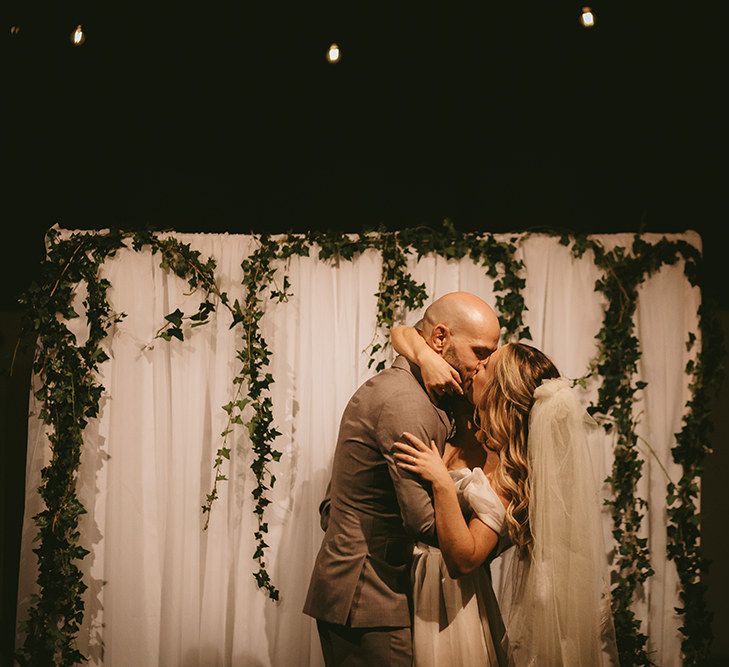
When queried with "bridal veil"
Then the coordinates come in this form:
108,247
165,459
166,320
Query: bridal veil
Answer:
556,605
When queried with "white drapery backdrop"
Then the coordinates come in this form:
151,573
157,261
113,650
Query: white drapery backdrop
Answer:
162,591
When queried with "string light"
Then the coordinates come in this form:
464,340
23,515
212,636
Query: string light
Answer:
77,36
587,18
333,55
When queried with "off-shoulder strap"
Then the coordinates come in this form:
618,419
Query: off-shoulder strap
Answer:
475,491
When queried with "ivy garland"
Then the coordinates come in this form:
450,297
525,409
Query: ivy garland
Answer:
258,274
396,293
70,394
692,446
497,257
616,363
69,397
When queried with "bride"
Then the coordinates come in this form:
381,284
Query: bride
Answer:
516,473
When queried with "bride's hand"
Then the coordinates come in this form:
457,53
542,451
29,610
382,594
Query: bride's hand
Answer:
439,377
422,460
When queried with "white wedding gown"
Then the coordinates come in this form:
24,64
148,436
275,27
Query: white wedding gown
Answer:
457,621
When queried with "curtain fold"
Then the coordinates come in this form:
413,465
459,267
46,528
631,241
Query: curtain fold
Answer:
164,592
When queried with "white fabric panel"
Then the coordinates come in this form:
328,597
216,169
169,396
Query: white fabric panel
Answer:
168,593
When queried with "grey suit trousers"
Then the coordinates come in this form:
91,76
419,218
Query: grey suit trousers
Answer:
344,646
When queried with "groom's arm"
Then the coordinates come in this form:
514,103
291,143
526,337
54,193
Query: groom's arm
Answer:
402,413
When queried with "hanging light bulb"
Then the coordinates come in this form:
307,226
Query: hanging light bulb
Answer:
588,18
14,30
77,36
333,55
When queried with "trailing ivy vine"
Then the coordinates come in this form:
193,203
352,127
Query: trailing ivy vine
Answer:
396,293
692,446
498,259
259,271
70,394
616,364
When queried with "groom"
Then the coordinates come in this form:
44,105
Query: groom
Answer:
360,590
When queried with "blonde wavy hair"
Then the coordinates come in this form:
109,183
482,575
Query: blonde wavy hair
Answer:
503,411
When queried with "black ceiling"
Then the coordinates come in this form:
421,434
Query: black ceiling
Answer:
226,116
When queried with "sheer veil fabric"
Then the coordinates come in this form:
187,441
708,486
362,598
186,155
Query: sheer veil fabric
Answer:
556,605
162,591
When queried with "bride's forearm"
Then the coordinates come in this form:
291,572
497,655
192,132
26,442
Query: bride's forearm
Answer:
464,547
408,342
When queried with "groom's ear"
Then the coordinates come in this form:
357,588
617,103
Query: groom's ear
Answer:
439,337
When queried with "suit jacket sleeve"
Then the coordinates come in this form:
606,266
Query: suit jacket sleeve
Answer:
399,414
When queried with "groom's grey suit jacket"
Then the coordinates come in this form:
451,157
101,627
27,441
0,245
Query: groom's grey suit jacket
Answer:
374,512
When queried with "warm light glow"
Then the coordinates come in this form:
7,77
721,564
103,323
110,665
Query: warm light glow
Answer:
587,18
333,54
15,30
77,36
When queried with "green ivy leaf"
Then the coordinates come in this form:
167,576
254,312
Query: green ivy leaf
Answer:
175,318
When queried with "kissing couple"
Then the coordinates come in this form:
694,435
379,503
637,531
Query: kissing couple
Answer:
460,452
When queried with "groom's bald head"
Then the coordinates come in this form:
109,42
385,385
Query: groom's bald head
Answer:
463,328
462,311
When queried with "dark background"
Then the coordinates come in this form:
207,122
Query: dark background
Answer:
227,117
